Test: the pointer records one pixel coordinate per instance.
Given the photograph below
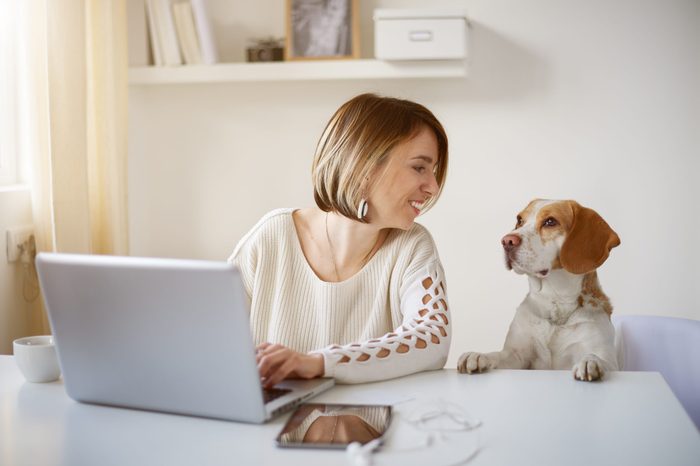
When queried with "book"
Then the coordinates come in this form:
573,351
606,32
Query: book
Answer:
153,33
137,37
205,34
186,32
166,28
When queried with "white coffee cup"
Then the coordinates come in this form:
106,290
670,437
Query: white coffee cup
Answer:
36,358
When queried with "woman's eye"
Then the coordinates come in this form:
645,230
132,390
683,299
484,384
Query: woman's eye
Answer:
419,169
550,222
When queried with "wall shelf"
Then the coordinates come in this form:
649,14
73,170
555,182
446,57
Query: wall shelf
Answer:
297,71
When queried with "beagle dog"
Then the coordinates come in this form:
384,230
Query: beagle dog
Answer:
564,321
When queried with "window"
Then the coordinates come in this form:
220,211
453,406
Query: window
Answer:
8,93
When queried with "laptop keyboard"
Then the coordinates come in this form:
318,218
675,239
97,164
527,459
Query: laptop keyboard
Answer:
270,394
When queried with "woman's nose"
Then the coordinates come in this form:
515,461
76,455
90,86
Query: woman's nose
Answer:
431,186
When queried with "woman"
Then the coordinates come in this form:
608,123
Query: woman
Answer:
353,288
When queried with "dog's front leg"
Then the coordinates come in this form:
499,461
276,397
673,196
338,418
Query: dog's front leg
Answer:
592,367
596,350
473,362
517,353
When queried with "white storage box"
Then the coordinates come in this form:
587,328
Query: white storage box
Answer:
420,34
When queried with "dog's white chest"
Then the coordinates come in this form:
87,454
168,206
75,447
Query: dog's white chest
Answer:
546,321
555,310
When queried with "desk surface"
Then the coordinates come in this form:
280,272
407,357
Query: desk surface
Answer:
529,418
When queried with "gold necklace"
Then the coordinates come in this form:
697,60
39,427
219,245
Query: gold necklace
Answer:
335,424
330,246
366,259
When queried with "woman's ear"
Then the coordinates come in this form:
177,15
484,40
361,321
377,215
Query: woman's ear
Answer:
588,242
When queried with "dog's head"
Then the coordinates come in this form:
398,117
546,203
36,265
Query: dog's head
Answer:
552,235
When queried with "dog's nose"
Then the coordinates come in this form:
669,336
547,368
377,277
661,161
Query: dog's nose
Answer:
510,242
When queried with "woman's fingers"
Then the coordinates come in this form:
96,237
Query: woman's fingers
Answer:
277,362
280,372
270,359
265,348
259,350
262,346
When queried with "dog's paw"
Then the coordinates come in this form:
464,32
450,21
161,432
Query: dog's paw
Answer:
589,368
472,362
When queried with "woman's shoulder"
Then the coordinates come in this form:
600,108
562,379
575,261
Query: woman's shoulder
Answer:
274,219
268,228
417,255
416,237
410,249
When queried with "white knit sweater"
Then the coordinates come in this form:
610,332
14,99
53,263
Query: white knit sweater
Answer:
388,320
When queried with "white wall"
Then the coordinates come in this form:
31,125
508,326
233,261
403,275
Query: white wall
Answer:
596,101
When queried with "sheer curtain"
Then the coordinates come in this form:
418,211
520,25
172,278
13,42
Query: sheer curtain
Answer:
72,105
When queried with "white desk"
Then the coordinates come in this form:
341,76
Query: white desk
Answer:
529,418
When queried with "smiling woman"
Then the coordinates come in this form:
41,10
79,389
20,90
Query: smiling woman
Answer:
353,288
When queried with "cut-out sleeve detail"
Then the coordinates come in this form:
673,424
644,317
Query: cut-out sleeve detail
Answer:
420,343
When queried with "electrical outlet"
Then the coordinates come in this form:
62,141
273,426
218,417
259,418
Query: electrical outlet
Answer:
16,237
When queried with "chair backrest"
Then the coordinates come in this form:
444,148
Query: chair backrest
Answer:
667,345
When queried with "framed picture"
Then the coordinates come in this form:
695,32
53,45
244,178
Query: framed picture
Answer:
322,29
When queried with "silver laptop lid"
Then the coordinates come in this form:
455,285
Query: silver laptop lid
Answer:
158,334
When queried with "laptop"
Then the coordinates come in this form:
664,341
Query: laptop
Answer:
163,335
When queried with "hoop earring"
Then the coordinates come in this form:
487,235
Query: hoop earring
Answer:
362,209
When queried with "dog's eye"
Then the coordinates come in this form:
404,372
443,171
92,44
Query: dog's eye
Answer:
550,222
518,222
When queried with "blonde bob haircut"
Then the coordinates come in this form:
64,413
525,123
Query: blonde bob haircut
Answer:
357,141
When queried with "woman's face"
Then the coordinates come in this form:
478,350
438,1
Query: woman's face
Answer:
401,188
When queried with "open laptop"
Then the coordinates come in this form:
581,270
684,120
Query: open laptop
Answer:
160,334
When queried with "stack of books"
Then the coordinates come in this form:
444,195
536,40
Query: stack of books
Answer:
179,32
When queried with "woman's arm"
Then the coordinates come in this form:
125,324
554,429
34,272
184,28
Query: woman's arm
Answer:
421,342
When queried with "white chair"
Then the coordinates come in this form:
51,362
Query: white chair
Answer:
667,345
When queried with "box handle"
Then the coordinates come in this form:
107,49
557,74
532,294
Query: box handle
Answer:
420,36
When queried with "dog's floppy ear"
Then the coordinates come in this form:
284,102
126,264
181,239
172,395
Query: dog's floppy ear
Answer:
588,242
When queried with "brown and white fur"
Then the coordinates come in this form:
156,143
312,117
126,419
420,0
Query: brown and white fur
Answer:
564,321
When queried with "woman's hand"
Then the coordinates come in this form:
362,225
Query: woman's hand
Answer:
277,362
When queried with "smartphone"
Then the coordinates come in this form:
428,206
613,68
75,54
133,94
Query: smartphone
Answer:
323,425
